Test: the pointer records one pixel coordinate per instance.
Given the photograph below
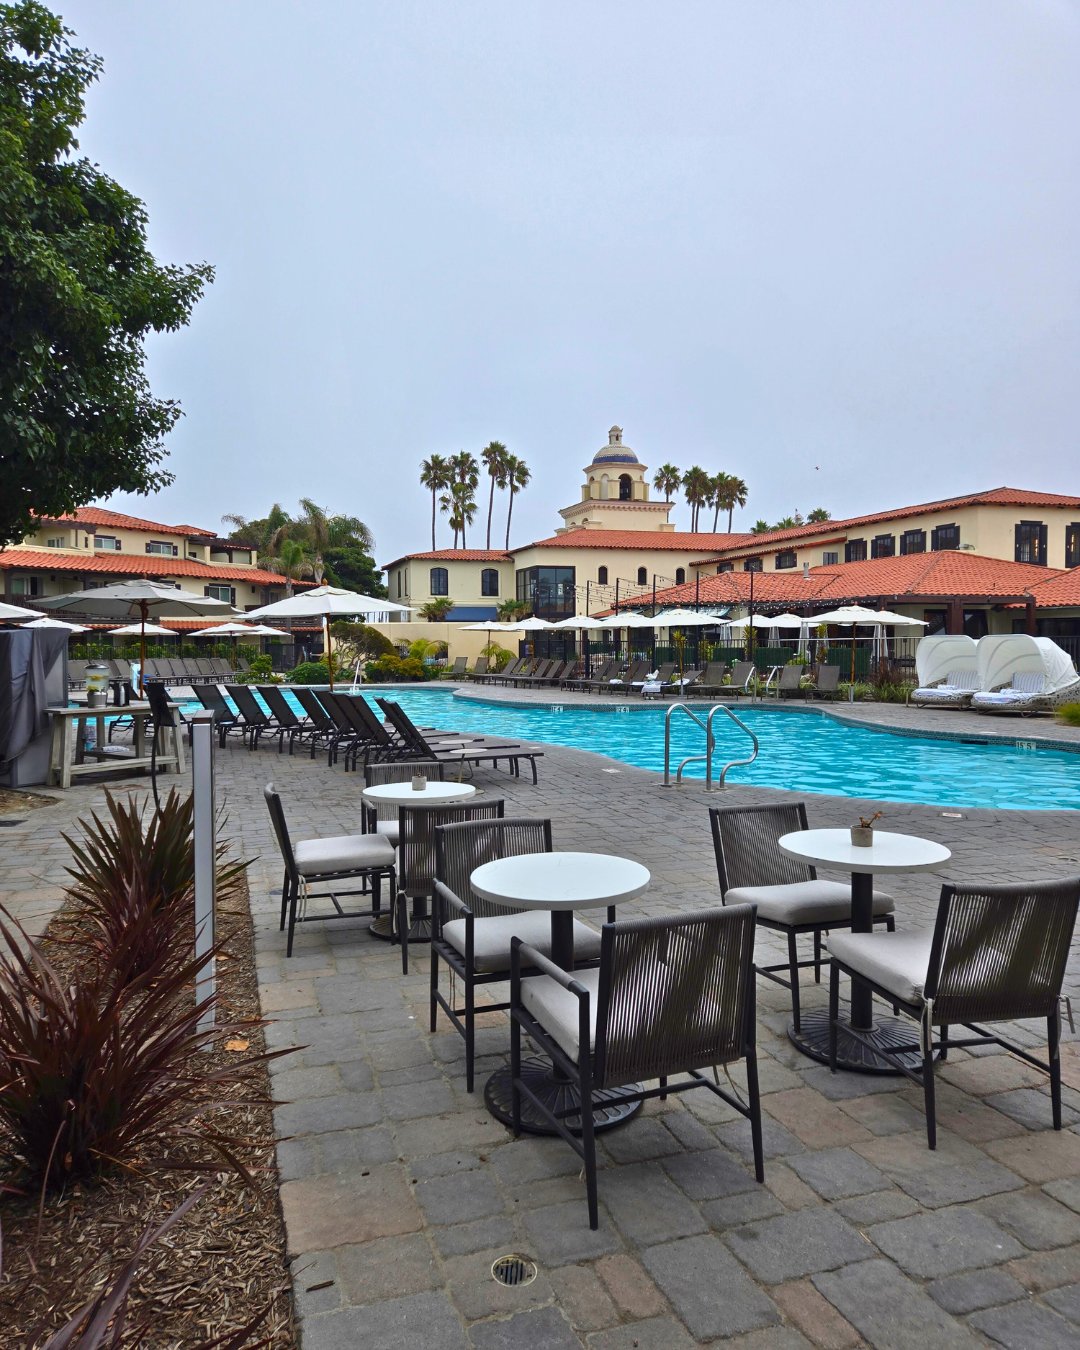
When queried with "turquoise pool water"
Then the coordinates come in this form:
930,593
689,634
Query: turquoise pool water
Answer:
799,751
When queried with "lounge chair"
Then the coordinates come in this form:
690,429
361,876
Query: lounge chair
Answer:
602,675
324,730
827,682
225,717
459,666
711,679
743,673
479,671
296,728
954,691
1022,674
789,684
257,721
462,753
624,684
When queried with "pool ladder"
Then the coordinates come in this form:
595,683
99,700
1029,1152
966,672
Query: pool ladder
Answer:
710,746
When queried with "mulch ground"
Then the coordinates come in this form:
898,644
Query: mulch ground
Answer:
215,1271
18,803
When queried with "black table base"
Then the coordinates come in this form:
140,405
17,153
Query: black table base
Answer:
610,1105
419,928
852,1054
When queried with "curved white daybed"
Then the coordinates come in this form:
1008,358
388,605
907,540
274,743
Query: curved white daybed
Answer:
1022,674
947,669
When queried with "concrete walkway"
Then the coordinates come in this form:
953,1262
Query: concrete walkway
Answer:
399,1190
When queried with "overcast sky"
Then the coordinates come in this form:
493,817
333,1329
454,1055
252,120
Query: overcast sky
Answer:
830,247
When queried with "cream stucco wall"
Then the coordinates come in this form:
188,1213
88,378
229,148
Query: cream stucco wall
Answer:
409,582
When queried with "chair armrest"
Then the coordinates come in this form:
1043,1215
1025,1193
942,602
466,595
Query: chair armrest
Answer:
521,952
446,895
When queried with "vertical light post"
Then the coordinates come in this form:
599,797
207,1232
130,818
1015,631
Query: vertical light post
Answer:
205,827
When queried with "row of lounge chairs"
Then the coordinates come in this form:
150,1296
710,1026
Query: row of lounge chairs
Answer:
190,670
345,727
1002,672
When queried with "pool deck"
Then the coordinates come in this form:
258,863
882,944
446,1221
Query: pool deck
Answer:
399,1190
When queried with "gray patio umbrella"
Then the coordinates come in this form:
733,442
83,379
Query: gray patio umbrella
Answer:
136,600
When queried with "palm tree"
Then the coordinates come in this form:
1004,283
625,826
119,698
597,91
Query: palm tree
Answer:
292,562
696,484
785,523
517,479
734,494
718,495
265,534
464,480
667,479
321,531
818,515
434,474
495,456
461,494
760,527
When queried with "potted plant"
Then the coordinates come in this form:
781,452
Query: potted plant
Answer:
862,835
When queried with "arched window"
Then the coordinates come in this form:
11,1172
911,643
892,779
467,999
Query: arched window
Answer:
489,581
643,576
626,487
440,581
601,576
603,487
680,576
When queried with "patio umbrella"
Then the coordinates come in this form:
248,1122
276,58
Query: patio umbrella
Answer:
629,619
239,630
750,621
683,618
56,623
140,629
885,618
488,626
583,624
327,602
137,600
531,625
848,616
10,613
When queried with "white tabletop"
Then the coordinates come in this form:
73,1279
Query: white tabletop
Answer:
560,880
434,793
888,852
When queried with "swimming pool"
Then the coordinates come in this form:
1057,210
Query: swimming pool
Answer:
801,751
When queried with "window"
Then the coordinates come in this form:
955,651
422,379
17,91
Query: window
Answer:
680,576
626,487
549,592
440,581
226,593
399,584
26,586
55,543
753,565
944,537
1031,542
643,576
855,550
785,559
725,567
107,541
489,581
882,546
160,547
1072,545
830,559
601,576
913,541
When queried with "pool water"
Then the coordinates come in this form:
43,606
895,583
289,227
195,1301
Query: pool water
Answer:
800,751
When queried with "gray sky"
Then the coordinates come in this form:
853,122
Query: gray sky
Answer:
830,247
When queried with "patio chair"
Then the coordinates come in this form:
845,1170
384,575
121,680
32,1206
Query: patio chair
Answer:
324,862
826,682
295,728
416,855
954,691
470,934
383,819
1026,692
479,670
459,666
465,751
788,896
995,954
711,680
671,996
601,675
225,717
789,685
257,721
362,736
324,730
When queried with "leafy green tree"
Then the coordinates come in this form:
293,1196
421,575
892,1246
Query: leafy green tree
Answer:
318,531
435,611
735,493
80,293
464,480
695,484
760,527
496,456
818,515
265,534
354,569
518,476
667,479
292,562
435,474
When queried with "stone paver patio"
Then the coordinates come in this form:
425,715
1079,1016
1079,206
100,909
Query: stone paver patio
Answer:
399,1190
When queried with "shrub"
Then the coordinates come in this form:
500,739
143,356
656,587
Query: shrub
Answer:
435,611
498,657
309,672
261,671
1069,713
864,693
389,668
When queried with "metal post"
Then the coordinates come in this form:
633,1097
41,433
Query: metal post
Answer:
205,823
750,626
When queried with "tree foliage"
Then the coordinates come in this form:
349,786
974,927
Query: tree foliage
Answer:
316,545
81,291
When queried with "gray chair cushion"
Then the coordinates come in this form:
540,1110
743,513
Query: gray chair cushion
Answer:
342,853
798,902
491,938
556,1008
390,830
896,961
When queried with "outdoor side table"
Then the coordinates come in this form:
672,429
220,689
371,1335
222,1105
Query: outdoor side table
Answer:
562,883
433,794
888,853
68,753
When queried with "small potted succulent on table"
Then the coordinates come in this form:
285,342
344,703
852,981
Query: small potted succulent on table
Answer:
862,835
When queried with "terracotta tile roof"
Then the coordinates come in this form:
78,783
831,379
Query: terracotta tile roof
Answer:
131,564
677,541
1002,496
97,515
1061,589
453,555
916,577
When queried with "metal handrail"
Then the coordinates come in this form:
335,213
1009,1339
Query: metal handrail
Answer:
710,746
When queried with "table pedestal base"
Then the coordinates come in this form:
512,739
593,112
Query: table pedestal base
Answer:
419,928
610,1105
852,1054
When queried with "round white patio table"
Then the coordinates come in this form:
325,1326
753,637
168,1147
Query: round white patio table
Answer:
888,853
433,793
561,883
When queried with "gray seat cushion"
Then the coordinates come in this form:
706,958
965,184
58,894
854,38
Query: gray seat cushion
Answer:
896,961
342,853
556,1008
491,938
799,902
390,830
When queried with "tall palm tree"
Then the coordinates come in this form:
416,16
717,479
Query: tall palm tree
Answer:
818,515
461,494
449,507
495,456
736,495
265,534
667,479
321,531
695,484
435,474
464,480
292,562
517,478
785,523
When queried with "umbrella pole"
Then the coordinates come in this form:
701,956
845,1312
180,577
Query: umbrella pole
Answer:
142,647
326,649
851,682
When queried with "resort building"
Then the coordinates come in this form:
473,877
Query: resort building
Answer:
92,546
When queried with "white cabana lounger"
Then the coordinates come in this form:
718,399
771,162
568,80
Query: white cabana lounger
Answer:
1042,676
955,691
947,669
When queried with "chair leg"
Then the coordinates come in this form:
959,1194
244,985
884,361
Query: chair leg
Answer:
398,906
588,1147
944,1044
793,970
470,1030
515,1074
1053,1041
755,1113
817,955
284,901
292,919
928,1095
834,1011
433,999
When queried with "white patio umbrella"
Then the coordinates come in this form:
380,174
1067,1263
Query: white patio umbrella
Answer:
487,626
56,623
530,625
750,621
137,599
583,623
684,618
885,618
141,629
629,619
849,616
10,613
240,630
327,602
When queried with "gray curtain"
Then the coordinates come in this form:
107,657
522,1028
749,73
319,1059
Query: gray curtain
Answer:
26,654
